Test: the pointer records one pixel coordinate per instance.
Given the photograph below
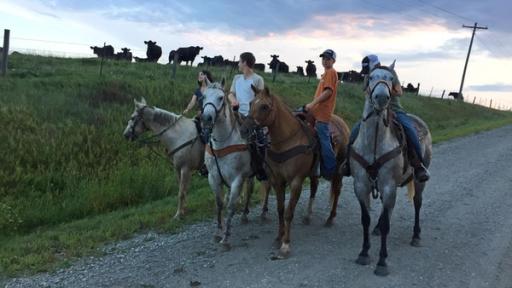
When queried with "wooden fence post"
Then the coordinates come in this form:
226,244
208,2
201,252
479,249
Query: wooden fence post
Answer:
174,65
418,92
474,99
274,73
442,96
5,52
430,95
490,104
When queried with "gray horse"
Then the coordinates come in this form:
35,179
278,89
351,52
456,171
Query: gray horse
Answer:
378,164
227,158
180,137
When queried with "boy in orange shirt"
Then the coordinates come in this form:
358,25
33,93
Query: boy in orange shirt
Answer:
322,108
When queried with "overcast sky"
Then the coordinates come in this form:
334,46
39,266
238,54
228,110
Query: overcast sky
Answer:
425,36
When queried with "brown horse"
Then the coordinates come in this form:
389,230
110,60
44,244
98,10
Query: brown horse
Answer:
292,157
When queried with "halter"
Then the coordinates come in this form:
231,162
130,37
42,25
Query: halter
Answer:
138,117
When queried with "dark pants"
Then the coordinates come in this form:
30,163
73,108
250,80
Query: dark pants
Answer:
409,129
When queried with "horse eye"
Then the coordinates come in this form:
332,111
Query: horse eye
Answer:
264,107
371,78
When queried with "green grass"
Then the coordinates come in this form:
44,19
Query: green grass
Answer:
70,183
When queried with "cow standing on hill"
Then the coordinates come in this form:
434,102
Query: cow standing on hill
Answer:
283,67
125,55
300,71
187,54
310,69
350,76
259,67
217,61
153,52
103,52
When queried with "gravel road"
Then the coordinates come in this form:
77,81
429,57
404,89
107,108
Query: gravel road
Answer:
466,238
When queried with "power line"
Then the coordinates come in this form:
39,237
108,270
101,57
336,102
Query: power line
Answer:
446,11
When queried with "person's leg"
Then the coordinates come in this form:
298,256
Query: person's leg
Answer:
345,168
261,146
328,163
415,157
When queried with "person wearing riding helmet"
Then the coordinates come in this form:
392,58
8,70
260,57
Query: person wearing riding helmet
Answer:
421,173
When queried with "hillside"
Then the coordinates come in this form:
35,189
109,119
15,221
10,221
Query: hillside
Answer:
70,182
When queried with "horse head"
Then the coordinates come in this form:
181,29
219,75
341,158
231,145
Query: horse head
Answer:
262,108
380,84
213,103
136,124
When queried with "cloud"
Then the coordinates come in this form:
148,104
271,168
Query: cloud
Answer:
498,87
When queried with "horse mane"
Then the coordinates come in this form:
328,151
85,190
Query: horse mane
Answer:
164,117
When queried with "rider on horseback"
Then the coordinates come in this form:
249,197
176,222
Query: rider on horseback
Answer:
241,95
322,108
415,156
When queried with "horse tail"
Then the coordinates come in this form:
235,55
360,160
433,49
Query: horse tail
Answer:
411,191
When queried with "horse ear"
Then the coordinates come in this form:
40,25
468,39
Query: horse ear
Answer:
255,89
267,91
392,66
143,101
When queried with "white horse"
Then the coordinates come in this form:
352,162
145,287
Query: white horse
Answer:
378,163
180,137
227,158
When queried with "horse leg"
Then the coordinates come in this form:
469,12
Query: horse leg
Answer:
335,195
249,189
364,203
264,192
280,197
181,198
389,198
418,199
296,189
313,189
217,189
234,193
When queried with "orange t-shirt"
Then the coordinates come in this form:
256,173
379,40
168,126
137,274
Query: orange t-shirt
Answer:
323,110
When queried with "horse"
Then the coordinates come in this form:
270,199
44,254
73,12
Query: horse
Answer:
227,158
378,143
293,156
180,137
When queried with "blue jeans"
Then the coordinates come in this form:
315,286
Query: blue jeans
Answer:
328,163
409,129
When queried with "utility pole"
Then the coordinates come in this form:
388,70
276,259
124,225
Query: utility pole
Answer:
469,52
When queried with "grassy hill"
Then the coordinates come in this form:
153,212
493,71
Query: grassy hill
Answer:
69,181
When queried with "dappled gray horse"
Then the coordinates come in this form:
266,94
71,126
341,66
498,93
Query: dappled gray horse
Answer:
180,137
378,163
227,157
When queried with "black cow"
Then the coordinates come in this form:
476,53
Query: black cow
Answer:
103,52
229,63
411,89
185,54
154,52
283,67
217,61
311,69
300,71
259,67
125,55
456,95
350,76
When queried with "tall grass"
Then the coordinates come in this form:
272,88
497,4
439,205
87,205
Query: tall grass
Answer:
68,179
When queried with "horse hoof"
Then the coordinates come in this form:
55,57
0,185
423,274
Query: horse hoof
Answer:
416,242
363,260
381,270
217,238
226,246
306,221
376,232
244,219
329,223
284,251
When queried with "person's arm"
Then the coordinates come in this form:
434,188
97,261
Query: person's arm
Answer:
191,104
232,94
322,98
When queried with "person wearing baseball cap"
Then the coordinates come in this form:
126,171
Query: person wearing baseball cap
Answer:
421,173
322,107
